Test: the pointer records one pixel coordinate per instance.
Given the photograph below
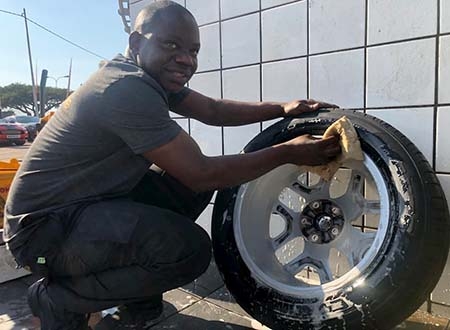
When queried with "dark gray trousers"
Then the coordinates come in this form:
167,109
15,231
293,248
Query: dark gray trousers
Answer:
123,250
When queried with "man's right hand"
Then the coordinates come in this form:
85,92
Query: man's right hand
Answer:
183,159
308,150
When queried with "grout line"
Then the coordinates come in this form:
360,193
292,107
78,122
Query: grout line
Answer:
436,87
308,40
251,12
325,53
366,37
436,101
222,129
260,62
441,304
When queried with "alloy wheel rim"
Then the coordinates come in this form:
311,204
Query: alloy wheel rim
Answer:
317,232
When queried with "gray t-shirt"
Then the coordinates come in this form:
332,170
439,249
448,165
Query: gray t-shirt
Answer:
91,148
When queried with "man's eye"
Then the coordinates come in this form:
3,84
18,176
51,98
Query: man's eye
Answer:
171,45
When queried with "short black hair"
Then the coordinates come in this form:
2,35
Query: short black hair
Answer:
149,14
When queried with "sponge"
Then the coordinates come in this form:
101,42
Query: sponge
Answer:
350,147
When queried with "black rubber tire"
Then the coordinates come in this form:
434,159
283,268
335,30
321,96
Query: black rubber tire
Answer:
414,250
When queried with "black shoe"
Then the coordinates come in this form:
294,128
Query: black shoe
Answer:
137,315
52,317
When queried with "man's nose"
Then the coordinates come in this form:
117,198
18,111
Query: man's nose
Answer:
184,57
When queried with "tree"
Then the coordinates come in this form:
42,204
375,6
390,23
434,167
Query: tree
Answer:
19,97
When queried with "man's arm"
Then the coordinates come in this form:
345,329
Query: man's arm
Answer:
219,112
182,159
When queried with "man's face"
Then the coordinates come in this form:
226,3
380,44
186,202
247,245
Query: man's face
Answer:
169,53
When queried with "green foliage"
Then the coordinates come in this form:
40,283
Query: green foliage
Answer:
19,97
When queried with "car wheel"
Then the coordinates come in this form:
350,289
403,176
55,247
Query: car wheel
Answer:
362,251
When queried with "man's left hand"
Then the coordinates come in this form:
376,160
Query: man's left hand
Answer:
297,107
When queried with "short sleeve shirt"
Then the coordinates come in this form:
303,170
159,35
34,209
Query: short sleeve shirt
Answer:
92,147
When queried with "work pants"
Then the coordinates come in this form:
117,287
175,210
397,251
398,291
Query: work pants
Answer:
121,250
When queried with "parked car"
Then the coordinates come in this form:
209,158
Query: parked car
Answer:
31,123
12,133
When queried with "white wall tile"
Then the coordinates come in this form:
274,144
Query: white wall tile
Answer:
336,24
284,81
135,9
401,74
209,138
444,70
181,2
209,55
242,84
401,19
236,138
441,292
444,180
443,142
207,83
416,124
240,41
271,3
204,220
204,11
338,78
232,8
183,124
284,31
445,16
268,123
136,6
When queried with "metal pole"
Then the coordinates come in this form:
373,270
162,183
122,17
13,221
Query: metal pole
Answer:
35,107
70,77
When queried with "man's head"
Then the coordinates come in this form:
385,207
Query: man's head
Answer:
165,43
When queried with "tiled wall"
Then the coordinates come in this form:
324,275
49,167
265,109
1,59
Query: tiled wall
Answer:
389,58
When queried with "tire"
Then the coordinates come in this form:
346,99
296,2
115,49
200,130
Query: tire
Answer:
296,255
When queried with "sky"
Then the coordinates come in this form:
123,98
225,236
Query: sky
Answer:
92,24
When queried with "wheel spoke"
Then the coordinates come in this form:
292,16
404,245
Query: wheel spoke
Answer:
356,183
315,256
296,264
322,267
351,208
352,202
355,245
285,212
325,273
320,190
287,234
372,206
282,239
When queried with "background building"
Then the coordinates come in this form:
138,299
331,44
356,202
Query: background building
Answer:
390,59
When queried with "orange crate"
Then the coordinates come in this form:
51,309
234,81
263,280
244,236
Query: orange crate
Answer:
7,172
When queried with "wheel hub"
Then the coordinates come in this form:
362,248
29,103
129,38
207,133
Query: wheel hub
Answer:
321,221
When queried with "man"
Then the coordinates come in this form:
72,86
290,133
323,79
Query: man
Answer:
85,212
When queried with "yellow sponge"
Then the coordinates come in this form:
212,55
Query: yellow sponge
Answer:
350,147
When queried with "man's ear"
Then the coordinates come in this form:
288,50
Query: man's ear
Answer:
134,42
